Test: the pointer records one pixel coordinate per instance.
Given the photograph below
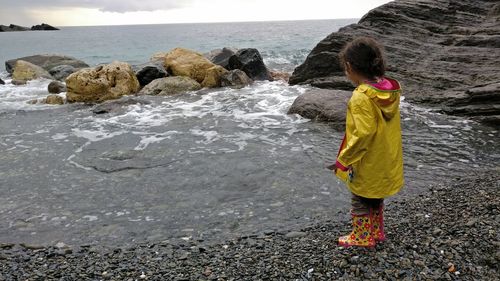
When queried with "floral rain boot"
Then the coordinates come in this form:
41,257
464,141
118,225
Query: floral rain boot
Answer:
378,224
362,233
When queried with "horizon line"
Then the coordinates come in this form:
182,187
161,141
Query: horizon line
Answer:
210,22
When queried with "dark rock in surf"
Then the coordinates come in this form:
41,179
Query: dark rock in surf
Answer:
251,62
56,87
43,26
221,56
439,50
149,71
47,62
2,82
235,79
322,105
61,72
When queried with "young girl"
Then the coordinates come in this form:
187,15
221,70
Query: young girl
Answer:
370,158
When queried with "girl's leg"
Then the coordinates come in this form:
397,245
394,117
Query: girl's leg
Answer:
362,232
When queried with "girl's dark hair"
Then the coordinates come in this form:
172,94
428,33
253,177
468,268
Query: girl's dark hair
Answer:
365,56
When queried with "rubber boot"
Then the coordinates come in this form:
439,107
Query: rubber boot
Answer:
378,223
362,233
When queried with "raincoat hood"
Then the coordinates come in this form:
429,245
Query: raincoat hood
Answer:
385,95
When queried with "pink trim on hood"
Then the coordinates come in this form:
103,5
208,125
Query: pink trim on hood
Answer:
386,84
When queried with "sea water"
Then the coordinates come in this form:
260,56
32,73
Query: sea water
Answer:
208,165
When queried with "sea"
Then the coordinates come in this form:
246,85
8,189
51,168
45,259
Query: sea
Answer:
206,166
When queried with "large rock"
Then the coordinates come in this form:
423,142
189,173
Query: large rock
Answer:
13,27
322,105
53,99
235,79
105,82
149,71
170,86
56,87
2,82
61,72
183,62
251,62
221,56
438,49
43,26
25,71
47,62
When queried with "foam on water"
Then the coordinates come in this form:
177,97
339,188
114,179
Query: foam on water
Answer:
14,97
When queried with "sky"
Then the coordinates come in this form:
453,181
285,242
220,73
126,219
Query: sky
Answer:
121,12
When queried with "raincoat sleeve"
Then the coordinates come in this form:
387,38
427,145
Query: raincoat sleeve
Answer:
360,131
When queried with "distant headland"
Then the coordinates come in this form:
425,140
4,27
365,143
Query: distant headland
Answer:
13,27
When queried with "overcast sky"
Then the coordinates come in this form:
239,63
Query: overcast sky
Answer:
116,12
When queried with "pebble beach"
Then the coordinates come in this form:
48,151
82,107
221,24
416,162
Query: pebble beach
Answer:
449,232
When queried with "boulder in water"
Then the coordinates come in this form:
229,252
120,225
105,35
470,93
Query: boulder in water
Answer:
438,50
183,62
322,105
251,62
170,86
221,56
18,82
25,71
235,79
56,87
213,77
2,82
61,72
149,71
53,99
47,62
105,82
279,76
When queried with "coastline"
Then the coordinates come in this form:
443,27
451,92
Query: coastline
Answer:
448,233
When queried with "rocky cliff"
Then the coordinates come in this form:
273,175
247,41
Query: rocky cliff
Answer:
38,27
444,52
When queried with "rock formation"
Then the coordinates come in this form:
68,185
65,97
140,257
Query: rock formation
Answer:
221,56
25,71
53,99
251,62
101,83
2,82
47,62
322,105
13,27
149,71
56,87
183,62
235,79
442,51
170,86
61,72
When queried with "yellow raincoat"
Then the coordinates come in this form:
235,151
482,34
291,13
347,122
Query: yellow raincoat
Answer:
370,159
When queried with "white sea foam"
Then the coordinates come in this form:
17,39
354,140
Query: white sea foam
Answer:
14,97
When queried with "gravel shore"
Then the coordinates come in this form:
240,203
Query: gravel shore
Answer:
448,233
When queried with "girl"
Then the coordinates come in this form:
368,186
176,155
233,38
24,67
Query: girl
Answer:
370,158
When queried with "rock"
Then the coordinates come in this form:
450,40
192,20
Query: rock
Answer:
183,62
61,72
236,79
170,86
221,56
295,234
18,82
117,105
13,27
322,105
105,82
43,26
2,82
47,62
56,87
438,49
53,99
150,71
25,71
251,62
276,76
213,77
